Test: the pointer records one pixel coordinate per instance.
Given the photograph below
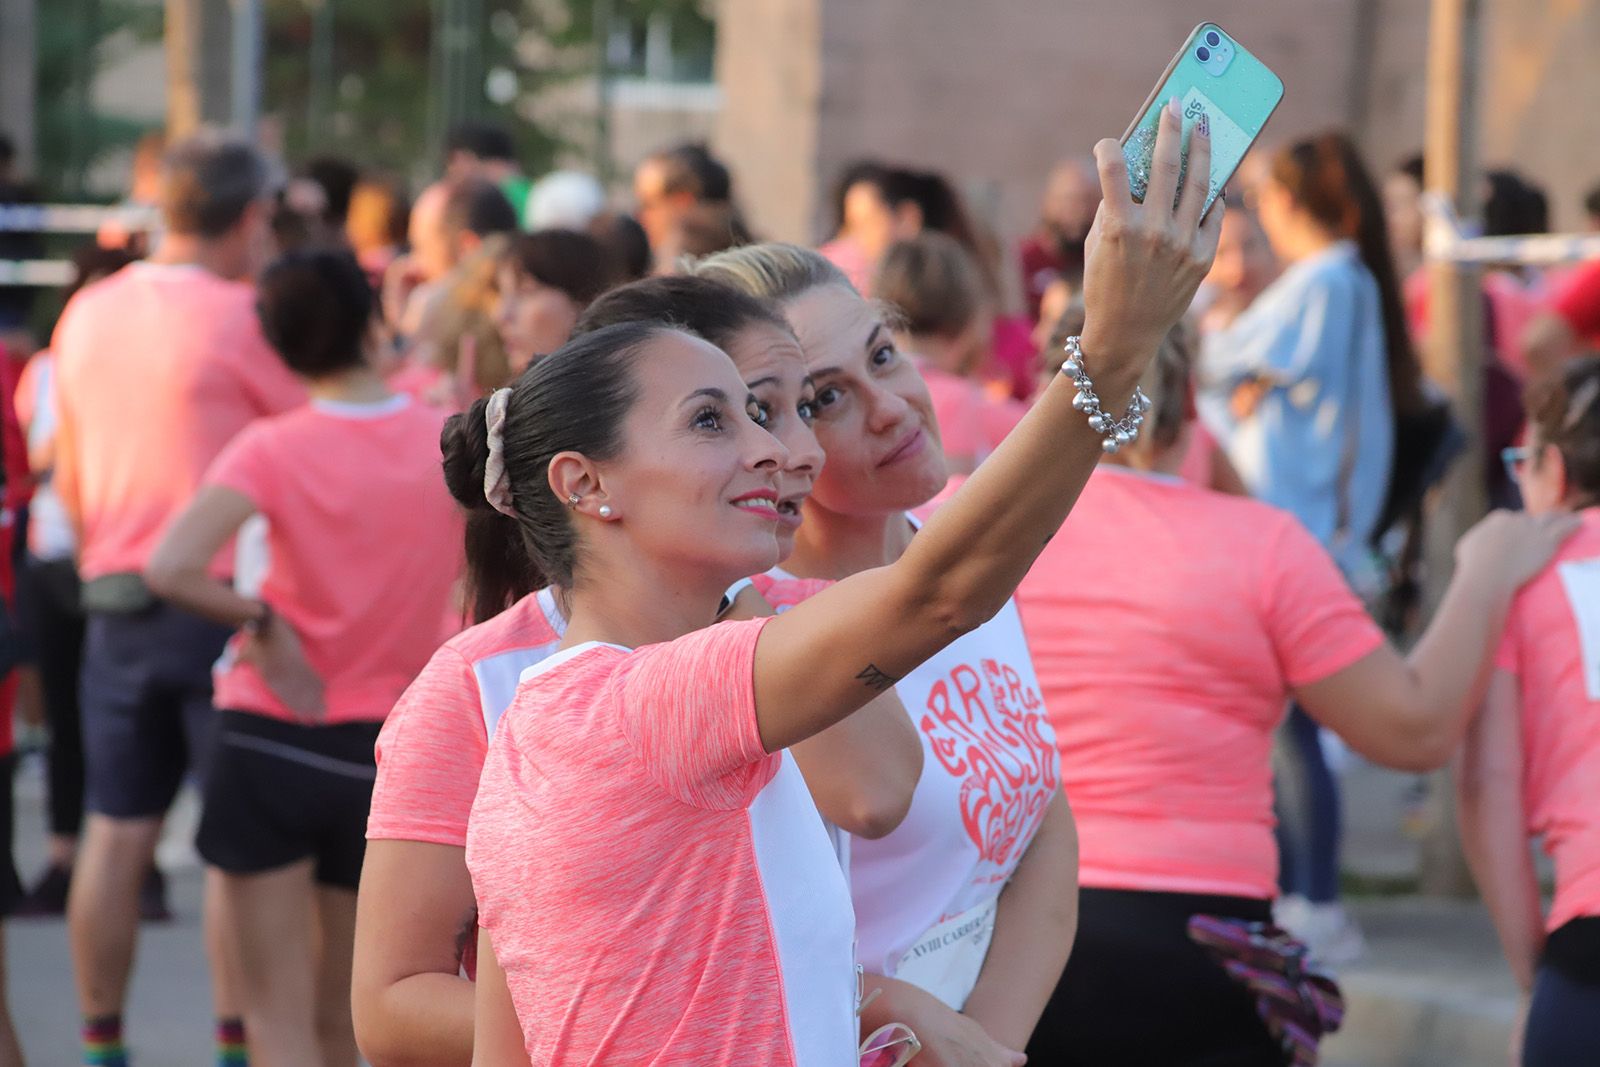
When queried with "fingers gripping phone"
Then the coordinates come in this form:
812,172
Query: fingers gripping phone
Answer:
1214,76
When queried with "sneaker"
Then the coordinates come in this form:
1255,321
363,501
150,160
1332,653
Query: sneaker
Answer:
48,897
153,898
1328,930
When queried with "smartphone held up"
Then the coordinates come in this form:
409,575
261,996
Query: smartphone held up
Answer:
1221,87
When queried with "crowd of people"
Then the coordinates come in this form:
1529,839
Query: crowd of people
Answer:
604,637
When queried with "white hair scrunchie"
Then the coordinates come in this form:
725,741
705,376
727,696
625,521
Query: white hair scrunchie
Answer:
496,483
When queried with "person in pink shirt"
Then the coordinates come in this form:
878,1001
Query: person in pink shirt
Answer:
157,368
1531,764
676,900
967,906
345,615
1165,689
415,895
947,325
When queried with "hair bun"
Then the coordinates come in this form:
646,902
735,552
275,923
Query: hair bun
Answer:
464,443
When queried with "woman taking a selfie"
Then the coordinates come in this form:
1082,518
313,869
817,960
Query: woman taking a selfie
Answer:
651,745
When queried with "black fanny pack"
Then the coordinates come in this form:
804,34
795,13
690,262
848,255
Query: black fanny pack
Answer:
117,594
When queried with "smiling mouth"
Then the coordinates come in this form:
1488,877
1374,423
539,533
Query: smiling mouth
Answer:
905,448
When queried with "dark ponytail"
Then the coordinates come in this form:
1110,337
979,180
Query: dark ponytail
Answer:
1326,177
499,570
573,400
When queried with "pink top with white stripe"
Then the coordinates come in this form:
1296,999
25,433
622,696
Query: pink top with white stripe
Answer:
658,889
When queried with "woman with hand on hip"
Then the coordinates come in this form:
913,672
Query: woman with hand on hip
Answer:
411,1004
348,614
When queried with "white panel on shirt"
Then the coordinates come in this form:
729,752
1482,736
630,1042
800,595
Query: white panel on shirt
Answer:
813,923
252,556
499,675
1581,580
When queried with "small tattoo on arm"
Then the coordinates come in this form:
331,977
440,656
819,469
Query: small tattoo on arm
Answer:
876,680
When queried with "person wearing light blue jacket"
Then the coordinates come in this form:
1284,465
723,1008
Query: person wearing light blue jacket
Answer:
1303,391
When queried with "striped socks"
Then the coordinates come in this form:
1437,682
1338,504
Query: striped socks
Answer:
231,1051
102,1042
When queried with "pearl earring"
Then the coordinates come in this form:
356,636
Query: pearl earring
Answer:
605,511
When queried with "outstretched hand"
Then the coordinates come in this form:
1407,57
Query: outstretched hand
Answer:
1145,261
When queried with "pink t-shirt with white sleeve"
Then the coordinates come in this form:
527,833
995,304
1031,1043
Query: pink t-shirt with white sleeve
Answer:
432,747
363,548
926,895
157,368
657,888
1552,644
1169,624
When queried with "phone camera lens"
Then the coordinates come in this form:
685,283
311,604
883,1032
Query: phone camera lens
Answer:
1213,39
1203,54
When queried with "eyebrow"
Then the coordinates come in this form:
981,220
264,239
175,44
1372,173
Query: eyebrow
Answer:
711,393
771,379
872,338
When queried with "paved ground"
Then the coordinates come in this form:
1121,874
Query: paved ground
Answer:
1432,991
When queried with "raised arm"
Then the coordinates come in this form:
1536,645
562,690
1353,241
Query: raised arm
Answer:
1411,712
857,638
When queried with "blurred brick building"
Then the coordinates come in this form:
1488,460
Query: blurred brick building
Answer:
994,92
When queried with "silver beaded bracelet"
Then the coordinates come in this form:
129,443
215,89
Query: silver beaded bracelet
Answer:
1117,432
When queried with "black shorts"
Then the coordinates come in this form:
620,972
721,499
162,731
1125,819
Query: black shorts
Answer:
280,792
10,884
1138,993
146,707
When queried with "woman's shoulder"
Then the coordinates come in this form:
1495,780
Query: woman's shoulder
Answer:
533,624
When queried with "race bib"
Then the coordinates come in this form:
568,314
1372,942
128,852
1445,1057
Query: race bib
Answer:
946,960
1581,579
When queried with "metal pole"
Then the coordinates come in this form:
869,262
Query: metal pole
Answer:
1454,358
245,99
18,77
319,96
603,163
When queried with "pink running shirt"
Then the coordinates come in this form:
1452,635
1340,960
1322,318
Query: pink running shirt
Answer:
926,895
364,546
1552,645
1169,624
157,366
657,888
432,747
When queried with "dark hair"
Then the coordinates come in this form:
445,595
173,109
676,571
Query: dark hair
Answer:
485,140
691,168
1591,202
703,307
933,282
476,205
92,261
315,305
1411,167
572,262
338,178
865,170
573,400
208,183
1514,206
625,240
1564,406
1325,176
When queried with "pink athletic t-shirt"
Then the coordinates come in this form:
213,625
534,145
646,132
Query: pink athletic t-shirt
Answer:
658,889
363,548
926,895
1552,645
157,368
1169,624
432,747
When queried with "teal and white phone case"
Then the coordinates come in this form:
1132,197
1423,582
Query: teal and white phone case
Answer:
1213,75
